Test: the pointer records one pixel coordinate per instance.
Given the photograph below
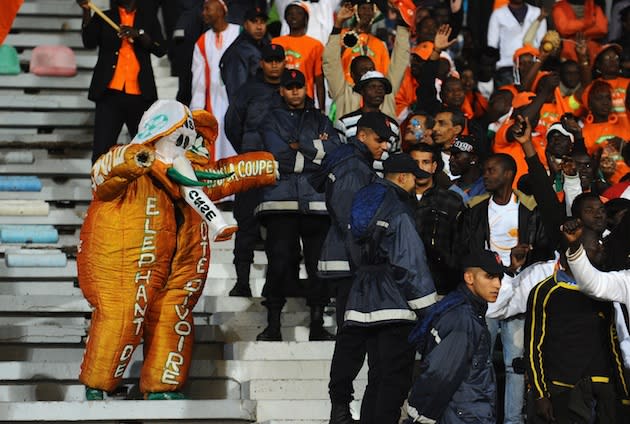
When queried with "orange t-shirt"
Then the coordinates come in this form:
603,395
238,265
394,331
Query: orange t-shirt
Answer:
127,68
406,94
514,149
370,46
596,135
593,24
303,53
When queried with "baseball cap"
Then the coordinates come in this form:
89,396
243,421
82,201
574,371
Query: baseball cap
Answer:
256,12
464,144
292,77
423,50
272,52
487,260
381,124
373,76
298,3
557,127
403,163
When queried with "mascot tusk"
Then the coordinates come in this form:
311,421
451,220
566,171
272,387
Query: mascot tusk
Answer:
200,202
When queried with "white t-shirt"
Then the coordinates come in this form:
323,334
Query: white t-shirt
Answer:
503,223
447,168
506,34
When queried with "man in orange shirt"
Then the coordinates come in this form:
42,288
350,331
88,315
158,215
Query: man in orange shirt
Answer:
579,16
303,52
602,129
122,85
607,67
366,43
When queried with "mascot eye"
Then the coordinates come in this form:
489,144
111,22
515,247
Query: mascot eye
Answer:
186,142
179,140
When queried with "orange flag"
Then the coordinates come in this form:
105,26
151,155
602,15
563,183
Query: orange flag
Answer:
9,10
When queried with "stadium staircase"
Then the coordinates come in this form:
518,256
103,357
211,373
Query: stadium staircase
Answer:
45,139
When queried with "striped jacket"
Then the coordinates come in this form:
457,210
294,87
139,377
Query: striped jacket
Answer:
569,337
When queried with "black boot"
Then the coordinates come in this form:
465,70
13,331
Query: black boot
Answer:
272,332
340,414
317,332
241,288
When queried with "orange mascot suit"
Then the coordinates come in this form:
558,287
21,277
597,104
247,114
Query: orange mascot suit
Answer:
144,247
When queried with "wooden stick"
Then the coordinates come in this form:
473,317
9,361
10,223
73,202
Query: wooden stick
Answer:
106,18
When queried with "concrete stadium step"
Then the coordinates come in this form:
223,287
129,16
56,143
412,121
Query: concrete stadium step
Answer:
56,353
34,39
79,82
201,368
44,23
49,141
267,410
256,319
279,351
73,391
71,189
173,410
32,102
56,216
30,273
65,119
86,59
52,8
294,389
51,164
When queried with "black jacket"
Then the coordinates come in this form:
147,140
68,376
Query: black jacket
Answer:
456,383
392,282
299,140
99,34
475,230
437,218
568,337
343,173
246,114
240,62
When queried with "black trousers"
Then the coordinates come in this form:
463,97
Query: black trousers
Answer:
350,350
114,109
584,404
248,233
390,361
282,245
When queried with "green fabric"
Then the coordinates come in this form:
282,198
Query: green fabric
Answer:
273,15
93,394
165,396
9,61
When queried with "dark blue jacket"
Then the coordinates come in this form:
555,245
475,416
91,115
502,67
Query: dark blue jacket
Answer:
240,62
392,282
246,114
456,383
343,173
299,140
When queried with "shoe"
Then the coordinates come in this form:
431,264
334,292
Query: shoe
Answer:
94,394
164,396
269,335
317,333
240,290
272,332
340,414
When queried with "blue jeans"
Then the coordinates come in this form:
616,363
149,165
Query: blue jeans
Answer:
512,338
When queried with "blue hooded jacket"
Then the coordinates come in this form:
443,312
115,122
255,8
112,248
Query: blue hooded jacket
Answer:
392,282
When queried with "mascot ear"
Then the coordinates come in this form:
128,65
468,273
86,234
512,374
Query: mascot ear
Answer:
206,125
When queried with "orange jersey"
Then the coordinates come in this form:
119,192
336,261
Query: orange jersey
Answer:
406,95
370,46
514,149
593,24
127,68
478,104
596,135
619,87
303,53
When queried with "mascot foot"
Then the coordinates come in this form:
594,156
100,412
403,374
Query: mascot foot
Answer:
269,335
226,233
94,394
164,396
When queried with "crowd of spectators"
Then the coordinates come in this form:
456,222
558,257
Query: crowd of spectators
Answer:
514,115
